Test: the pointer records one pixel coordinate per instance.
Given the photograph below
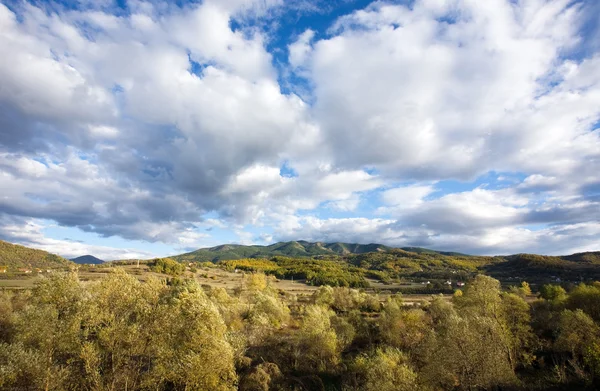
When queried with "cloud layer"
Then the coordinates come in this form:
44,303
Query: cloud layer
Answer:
453,124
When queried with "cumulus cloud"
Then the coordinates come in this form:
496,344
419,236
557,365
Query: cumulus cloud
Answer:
155,123
454,89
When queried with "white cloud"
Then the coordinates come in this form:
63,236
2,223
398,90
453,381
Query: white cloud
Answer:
426,98
139,125
300,49
407,197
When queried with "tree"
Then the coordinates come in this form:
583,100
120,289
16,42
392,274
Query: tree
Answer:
167,266
469,353
404,328
49,328
261,378
193,353
576,332
524,290
481,297
317,342
553,293
384,369
586,298
516,319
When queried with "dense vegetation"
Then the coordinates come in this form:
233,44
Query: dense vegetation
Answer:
385,263
399,263
541,267
353,270
313,271
166,266
13,257
123,334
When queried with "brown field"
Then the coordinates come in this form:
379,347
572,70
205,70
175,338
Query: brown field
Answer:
25,283
215,277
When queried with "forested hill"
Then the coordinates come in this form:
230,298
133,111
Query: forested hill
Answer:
572,267
385,262
295,249
14,256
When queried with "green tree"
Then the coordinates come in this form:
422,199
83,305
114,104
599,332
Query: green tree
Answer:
384,369
317,342
49,328
586,298
553,293
193,352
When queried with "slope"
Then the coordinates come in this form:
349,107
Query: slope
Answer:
14,256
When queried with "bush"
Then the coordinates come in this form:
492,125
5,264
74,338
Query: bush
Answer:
167,266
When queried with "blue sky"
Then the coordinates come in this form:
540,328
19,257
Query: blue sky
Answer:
135,129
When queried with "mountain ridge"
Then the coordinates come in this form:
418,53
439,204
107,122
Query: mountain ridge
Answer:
294,248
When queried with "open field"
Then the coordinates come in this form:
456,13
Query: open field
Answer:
219,278
26,283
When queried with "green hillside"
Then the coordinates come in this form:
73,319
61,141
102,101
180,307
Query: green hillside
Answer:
296,249
15,256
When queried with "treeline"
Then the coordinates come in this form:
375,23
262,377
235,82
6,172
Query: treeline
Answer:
350,270
317,272
397,263
166,266
541,267
121,334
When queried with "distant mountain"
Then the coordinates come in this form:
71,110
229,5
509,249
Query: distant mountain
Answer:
14,256
294,249
87,260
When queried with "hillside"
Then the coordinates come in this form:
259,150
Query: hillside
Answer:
383,262
87,260
15,256
296,249
573,267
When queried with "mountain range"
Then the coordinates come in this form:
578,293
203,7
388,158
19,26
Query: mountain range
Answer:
295,249
13,256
